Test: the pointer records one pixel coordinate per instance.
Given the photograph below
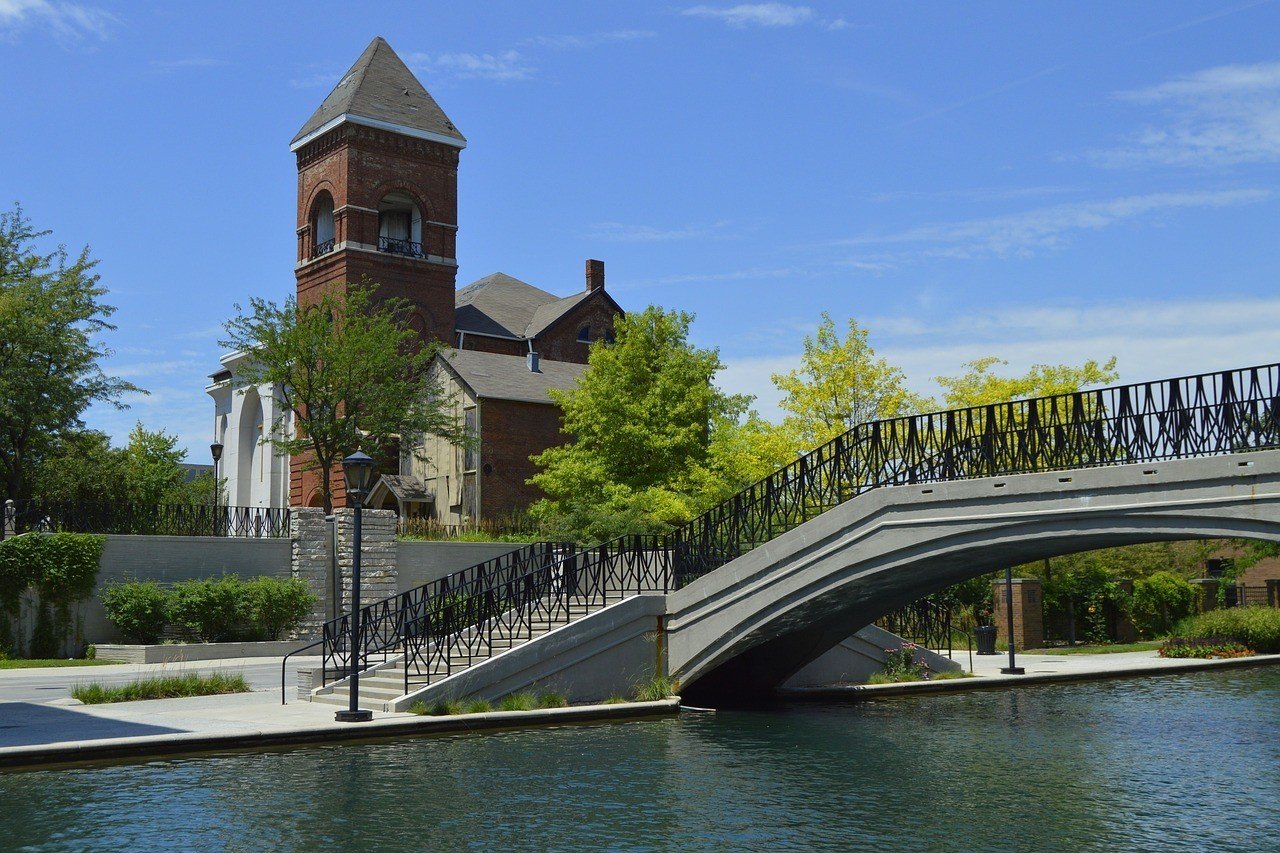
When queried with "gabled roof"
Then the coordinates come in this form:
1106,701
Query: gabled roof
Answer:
549,312
499,305
381,91
507,377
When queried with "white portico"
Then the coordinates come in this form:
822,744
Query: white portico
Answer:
256,473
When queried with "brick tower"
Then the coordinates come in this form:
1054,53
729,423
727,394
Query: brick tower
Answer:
378,200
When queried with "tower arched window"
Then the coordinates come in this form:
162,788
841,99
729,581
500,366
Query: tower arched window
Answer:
400,225
322,229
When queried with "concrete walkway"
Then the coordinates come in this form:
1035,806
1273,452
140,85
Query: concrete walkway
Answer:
1040,669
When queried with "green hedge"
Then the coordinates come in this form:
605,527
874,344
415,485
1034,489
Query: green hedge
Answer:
1160,601
211,610
1255,627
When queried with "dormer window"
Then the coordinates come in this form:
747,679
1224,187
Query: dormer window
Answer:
322,226
400,226
584,334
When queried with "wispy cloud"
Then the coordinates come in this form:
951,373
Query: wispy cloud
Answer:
1218,116
1151,338
1024,233
754,14
973,193
166,66
751,274
325,79
578,42
505,67
69,23
622,232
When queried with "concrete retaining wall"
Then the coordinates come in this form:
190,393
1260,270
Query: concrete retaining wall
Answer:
857,657
174,652
422,562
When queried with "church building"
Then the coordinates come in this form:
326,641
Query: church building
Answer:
378,200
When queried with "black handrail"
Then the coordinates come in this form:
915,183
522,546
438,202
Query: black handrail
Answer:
285,660
1200,415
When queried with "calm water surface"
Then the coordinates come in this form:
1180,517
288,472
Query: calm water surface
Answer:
1190,762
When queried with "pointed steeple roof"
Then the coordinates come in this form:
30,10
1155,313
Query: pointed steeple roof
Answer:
381,91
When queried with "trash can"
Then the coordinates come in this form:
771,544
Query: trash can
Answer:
986,635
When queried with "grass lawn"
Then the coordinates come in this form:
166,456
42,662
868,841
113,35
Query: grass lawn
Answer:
33,663
1143,646
161,687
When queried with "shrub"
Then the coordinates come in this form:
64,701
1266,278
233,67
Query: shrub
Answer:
162,687
1160,600
446,708
138,608
19,567
522,701
1205,647
656,689
552,700
211,609
900,664
277,606
1257,628
478,706
419,708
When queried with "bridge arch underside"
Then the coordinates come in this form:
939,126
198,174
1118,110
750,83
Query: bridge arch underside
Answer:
848,590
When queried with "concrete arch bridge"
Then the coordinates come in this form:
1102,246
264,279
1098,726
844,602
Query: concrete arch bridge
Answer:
750,593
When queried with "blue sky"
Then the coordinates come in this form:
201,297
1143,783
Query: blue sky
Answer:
1043,182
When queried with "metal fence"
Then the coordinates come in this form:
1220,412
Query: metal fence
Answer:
145,519
1189,416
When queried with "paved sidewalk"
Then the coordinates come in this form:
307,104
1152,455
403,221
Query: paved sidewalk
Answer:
1040,669
44,684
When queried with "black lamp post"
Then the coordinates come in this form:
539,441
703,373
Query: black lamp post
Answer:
358,470
1012,668
215,450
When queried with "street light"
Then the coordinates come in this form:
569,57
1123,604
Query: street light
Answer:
358,470
1012,668
215,450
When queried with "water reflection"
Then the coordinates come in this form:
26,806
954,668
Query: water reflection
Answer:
1178,761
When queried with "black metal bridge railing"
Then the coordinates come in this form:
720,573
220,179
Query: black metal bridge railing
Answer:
1189,416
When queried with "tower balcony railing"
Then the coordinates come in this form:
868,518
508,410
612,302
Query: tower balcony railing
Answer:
393,246
322,248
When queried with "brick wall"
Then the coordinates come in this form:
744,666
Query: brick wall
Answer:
560,342
510,433
1028,613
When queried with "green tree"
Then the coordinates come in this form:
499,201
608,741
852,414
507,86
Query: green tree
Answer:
841,383
51,314
979,385
148,470
645,418
353,374
85,468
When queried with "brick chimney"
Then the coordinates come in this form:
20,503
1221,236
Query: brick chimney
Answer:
595,275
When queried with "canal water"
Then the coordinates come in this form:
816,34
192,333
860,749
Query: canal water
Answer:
1171,762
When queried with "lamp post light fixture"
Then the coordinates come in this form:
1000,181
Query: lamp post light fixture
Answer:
215,450
358,471
1012,668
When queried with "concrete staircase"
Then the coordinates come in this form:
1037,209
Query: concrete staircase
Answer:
385,682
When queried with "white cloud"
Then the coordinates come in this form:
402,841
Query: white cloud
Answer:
572,42
67,22
1218,116
502,67
754,14
622,232
1151,339
1022,234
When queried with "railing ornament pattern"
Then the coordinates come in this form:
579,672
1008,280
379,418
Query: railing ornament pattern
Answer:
447,624
254,522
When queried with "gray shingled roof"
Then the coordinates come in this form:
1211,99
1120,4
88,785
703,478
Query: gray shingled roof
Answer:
507,377
407,488
499,305
381,88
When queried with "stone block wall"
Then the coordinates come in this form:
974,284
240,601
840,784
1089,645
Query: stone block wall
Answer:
377,553
312,562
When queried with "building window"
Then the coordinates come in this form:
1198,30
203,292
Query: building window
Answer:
400,226
471,451
584,334
322,229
